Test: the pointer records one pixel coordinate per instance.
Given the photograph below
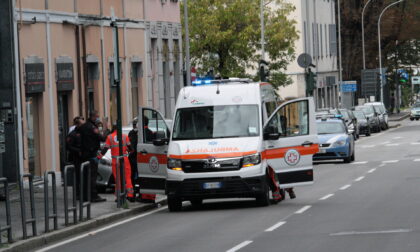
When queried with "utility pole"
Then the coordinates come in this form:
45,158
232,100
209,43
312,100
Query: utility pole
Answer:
363,34
340,70
380,49
262,30
187,44
117,81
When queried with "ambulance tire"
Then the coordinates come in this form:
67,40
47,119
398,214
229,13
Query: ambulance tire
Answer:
263,198
197,202
174,204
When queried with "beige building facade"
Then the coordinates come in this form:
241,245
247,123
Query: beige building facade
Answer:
65,62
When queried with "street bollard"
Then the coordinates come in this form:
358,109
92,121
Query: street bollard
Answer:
47,202
32,220
87,203
8,226
120,183
73,208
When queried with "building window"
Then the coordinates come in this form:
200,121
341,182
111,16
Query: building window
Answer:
305,37
320,37
333,39
136,77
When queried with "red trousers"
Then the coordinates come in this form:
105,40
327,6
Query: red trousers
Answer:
127,171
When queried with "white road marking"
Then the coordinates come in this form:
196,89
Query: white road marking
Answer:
345,187
398,137
239,246
393,231
359,178
390,145
303,209
372,170
327,196
415,143
360,162
101,229
416,160
367,146
387,142
381,165
275,226
390,161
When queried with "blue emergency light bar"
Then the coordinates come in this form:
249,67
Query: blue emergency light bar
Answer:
223,81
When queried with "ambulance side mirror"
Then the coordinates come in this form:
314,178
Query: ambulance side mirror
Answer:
160,139
271,133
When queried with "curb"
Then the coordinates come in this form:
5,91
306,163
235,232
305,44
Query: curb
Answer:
400,118
395,126
55,236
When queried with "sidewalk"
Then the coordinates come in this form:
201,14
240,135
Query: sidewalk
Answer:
399,116
101,213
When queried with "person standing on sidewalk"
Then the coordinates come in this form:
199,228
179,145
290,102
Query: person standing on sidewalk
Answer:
74,146
113,144
91,140
133,136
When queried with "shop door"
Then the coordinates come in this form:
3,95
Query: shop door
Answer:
32,119
63,126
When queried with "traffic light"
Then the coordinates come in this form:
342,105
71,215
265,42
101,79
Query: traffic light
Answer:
310,82
264,71
402,76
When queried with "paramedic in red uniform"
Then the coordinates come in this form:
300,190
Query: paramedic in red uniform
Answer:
113,144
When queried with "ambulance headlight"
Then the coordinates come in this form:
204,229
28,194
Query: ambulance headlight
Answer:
251,160
175,164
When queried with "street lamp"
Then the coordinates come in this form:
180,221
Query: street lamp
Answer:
363,33
379,45
187,45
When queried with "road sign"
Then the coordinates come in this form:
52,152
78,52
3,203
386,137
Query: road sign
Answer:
415,80
348,86
304,60
193,74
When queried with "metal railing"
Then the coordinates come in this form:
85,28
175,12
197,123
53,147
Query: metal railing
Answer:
120,182
32,220
54,215
8,226
73,208
82,203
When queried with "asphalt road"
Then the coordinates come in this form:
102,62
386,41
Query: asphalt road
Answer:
370,205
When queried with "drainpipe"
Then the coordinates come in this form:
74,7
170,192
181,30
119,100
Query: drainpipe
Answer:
18,81
79,70
85,73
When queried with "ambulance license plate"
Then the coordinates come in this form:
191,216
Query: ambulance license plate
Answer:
212,185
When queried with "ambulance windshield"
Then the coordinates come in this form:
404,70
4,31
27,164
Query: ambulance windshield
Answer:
216,122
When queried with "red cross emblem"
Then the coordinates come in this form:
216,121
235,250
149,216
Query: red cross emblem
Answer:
292,157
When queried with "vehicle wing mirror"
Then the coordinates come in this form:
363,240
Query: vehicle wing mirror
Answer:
160,139
271,133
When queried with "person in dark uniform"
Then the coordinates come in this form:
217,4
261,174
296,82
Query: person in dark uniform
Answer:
91,141
74,147
133,136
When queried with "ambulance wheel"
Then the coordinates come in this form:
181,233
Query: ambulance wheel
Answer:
196,202
263,198
174,204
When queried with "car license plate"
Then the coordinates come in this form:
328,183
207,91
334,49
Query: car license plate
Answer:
321,150
212,185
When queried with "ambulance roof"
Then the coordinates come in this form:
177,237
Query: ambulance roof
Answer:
234,93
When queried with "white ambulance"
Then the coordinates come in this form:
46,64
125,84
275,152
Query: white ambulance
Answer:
224,135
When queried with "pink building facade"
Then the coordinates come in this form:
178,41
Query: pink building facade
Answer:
65,64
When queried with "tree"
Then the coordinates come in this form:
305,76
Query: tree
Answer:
225,36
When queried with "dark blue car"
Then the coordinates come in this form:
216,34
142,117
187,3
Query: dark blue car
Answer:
335,142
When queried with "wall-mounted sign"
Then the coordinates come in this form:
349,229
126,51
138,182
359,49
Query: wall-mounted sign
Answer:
65,77
34,78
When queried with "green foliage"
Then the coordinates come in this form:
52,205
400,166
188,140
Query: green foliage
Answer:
225,35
